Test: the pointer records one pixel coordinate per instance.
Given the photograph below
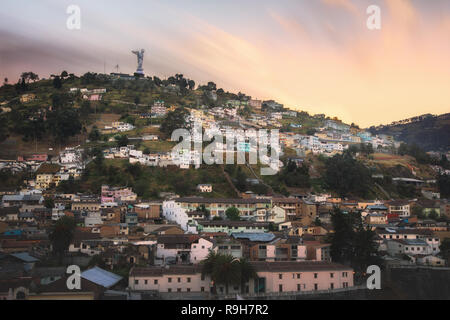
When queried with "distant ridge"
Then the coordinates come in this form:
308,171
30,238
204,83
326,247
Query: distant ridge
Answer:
430,132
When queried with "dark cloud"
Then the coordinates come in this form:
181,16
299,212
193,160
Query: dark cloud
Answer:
20,53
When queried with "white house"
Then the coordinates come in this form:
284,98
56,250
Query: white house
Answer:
205,188
408,247
172,211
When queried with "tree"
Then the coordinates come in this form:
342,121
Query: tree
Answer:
433,215
57,83
205,211
295,176
191,84
98,156
223,270
351,242
122,140
61,235
211,86
63,124
29,76
443,183
3,127
86,108
64,74
157,81
241,178
445,248
174,120
94,135
49,203
247,271
347,176
342,238
233,214
418,211
317,222
311,132
228,270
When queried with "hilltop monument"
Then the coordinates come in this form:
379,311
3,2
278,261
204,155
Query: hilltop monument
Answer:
140,57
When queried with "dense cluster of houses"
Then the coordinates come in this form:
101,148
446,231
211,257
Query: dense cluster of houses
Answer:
164,242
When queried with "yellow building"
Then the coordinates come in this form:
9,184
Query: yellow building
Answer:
46,175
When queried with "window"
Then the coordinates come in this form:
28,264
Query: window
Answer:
299,286
188,279
315,275
202,289
136,281
188,289
331,275
316,286
280,276
331,286
344,274
179,279
155,281
145,281
280,288
298,275
169,280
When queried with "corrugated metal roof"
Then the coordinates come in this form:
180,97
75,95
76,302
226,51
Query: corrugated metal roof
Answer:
260,237
101,277
24,256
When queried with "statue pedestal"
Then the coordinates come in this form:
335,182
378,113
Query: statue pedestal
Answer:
139,74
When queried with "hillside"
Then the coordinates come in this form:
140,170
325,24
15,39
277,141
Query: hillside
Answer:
57,116
430,132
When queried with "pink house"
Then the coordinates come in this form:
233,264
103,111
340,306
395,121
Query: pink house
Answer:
284,277
110,194
34,157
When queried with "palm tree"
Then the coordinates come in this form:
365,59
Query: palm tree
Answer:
223,270
228,270
247,271
209,265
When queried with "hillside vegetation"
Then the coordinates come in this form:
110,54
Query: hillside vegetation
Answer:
430,132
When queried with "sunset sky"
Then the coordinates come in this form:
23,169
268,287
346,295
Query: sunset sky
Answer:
312,55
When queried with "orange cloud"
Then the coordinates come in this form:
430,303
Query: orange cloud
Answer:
345,4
